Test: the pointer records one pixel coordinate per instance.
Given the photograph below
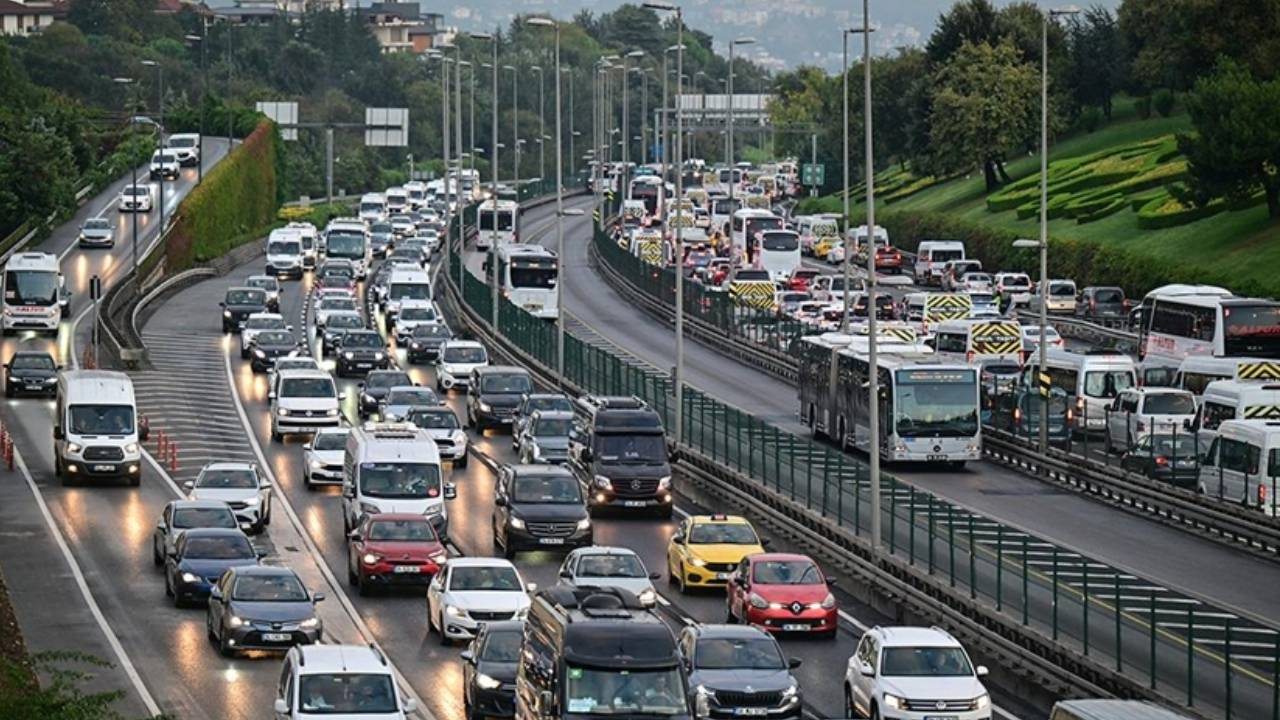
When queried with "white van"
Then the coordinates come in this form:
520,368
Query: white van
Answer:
397,200
405,284
1196,372
1242,464
1093,380
1234,400
1139,412
417,193
394,468
96,430
932,255
373,207
310,239
303,401
285,253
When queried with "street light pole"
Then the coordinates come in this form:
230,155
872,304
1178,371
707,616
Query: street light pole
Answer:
542,125
204,92
515,128
573,159
732,44
124,81
873,387
159,130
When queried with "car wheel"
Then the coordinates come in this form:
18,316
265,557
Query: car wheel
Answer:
57,464
875,713
168,584
275,434
224,648
362,585
306,481
849,710
156,557
352,577
208,627
444,639
729,617
461,462
244,353
266,517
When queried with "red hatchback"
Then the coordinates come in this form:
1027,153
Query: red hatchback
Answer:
800,279
393,549
782,593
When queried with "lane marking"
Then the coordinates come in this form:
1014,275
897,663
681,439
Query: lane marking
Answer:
125,663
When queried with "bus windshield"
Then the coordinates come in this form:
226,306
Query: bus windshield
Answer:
345,246
30,287
1251,331
937,403
533,276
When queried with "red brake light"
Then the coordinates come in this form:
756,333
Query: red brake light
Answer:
1162,460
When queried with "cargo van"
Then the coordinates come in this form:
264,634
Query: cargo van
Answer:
394,468
1242,464
1197,371
618,450
1234,400
932,255
96,429
1091,380
1099,709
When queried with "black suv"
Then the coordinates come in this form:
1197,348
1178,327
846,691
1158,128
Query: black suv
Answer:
425,342
30,372
238,304
493,393
740,670
539,507
360,351
375,387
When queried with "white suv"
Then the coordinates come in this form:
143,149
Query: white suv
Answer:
1139,412
909,673
339,680
457,359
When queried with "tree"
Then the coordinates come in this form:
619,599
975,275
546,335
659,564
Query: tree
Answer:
985,103
1099,59
968,21
1236,145
1176,41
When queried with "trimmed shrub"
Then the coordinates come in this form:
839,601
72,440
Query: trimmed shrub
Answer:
1114,205
1162,100
1142,106
1166,211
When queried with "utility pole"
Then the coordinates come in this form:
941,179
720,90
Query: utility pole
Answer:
542,125
873,387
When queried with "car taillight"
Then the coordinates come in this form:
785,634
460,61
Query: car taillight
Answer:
1162,460
1262,491
1070,415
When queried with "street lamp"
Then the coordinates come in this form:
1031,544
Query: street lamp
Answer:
679,242
204,93
732,44
125,82
542,124
515,127
159,125
572,122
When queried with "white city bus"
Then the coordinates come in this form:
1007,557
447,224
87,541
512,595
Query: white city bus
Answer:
373,207
779,253
34,295
527,277
1179,321
499,223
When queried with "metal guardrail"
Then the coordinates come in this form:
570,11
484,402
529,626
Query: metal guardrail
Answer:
1115,338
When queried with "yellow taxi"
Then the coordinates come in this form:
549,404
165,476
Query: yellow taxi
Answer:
824,245
706,549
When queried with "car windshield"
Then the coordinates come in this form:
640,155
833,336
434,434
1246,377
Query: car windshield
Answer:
400,480
412,396
1109,296
97,224
263,283
925,662
1062,289
246,297
502,647
346,694
624,692
612,566
558,402
786,572
417,313
362,340
758,653
216,517
224,479
378,381
137,190
509,383
296,363
632,448
330,441
465,355
269,588
164,157
32,362
1016,281
485,577
275,337
1107,383
345,321
548,489
713,533
416,530
181,142
442,419
342,271
284,247
338,303
410,291
1169,404
101,419
307,388
264,323
380,228
222,547
551,427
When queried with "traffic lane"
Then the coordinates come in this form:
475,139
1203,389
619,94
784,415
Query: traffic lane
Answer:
108,529
1092,528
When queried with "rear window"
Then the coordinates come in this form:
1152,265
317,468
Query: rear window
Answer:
1169,404
1109,295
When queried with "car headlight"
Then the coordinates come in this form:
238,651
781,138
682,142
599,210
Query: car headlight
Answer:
757,602
892,701
982,701
415,346
701,701
647,596
485,407
459,437
487,683
433,510
452,611
50,381
438,558
253,501
189,578
259,353
828,602
316,465
791,691
234,621
517,523
131,448
603,483
664,483
74,448
369,508
377,356
584,523
310,623
332,412
698,562
348,355
226,313
370,559
283,412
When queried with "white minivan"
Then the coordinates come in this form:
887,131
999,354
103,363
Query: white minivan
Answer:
285,253
1138,412
1242,464
1234,400
931,255
303,401
1093,380
339,681
394,468
96,431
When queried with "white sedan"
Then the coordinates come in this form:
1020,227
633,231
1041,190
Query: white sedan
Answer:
257,323
471,591
239,485
600,566
322,457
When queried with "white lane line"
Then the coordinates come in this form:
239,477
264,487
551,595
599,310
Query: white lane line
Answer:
125,663
279,495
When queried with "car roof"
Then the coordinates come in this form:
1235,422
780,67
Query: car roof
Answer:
323,659
215,532
479,562
501,370
718,520
463,343
198,504
907,636
553,414
540,470
603,550
398,517
706,631
276,570
780,557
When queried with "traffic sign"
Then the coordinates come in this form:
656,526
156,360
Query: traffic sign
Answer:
813,174
95,287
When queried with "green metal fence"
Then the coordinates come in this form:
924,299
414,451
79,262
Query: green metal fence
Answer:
1208,657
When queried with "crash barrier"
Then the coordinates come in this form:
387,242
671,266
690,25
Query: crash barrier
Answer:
1079,623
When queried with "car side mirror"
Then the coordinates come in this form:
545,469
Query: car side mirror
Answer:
655,576
342,397
450,491
983,671
222,304
468,657
288,328
355,536
271,394
832,580
318,597
500,501
566,574
677,538
58,434
160,525
260,553
281,707
1186,424
587,455
866,669
764,542
189,485
410,706
531,587
793,663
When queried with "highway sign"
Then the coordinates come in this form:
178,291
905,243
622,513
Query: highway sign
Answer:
813,174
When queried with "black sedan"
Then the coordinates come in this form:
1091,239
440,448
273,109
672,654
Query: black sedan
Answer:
375,387
262,608
31,373
489,670
269,345
425,342
1168,458
200,557
360,351
238,304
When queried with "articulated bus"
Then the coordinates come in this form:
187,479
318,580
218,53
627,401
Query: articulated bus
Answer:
929,410
527,277
499,223
1180,321
34,294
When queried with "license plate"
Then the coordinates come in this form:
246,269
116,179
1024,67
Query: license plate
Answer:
551,541
941,717
276,637
795,628
937,458
750,711
103,468
407,569
364,366
633,503
34,384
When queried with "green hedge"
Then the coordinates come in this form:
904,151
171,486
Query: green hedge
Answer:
1116,204
238,197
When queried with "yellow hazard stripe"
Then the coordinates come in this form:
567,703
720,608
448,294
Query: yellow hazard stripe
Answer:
1001,330
752,294
1269,412
903,334
997,348
1258,371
